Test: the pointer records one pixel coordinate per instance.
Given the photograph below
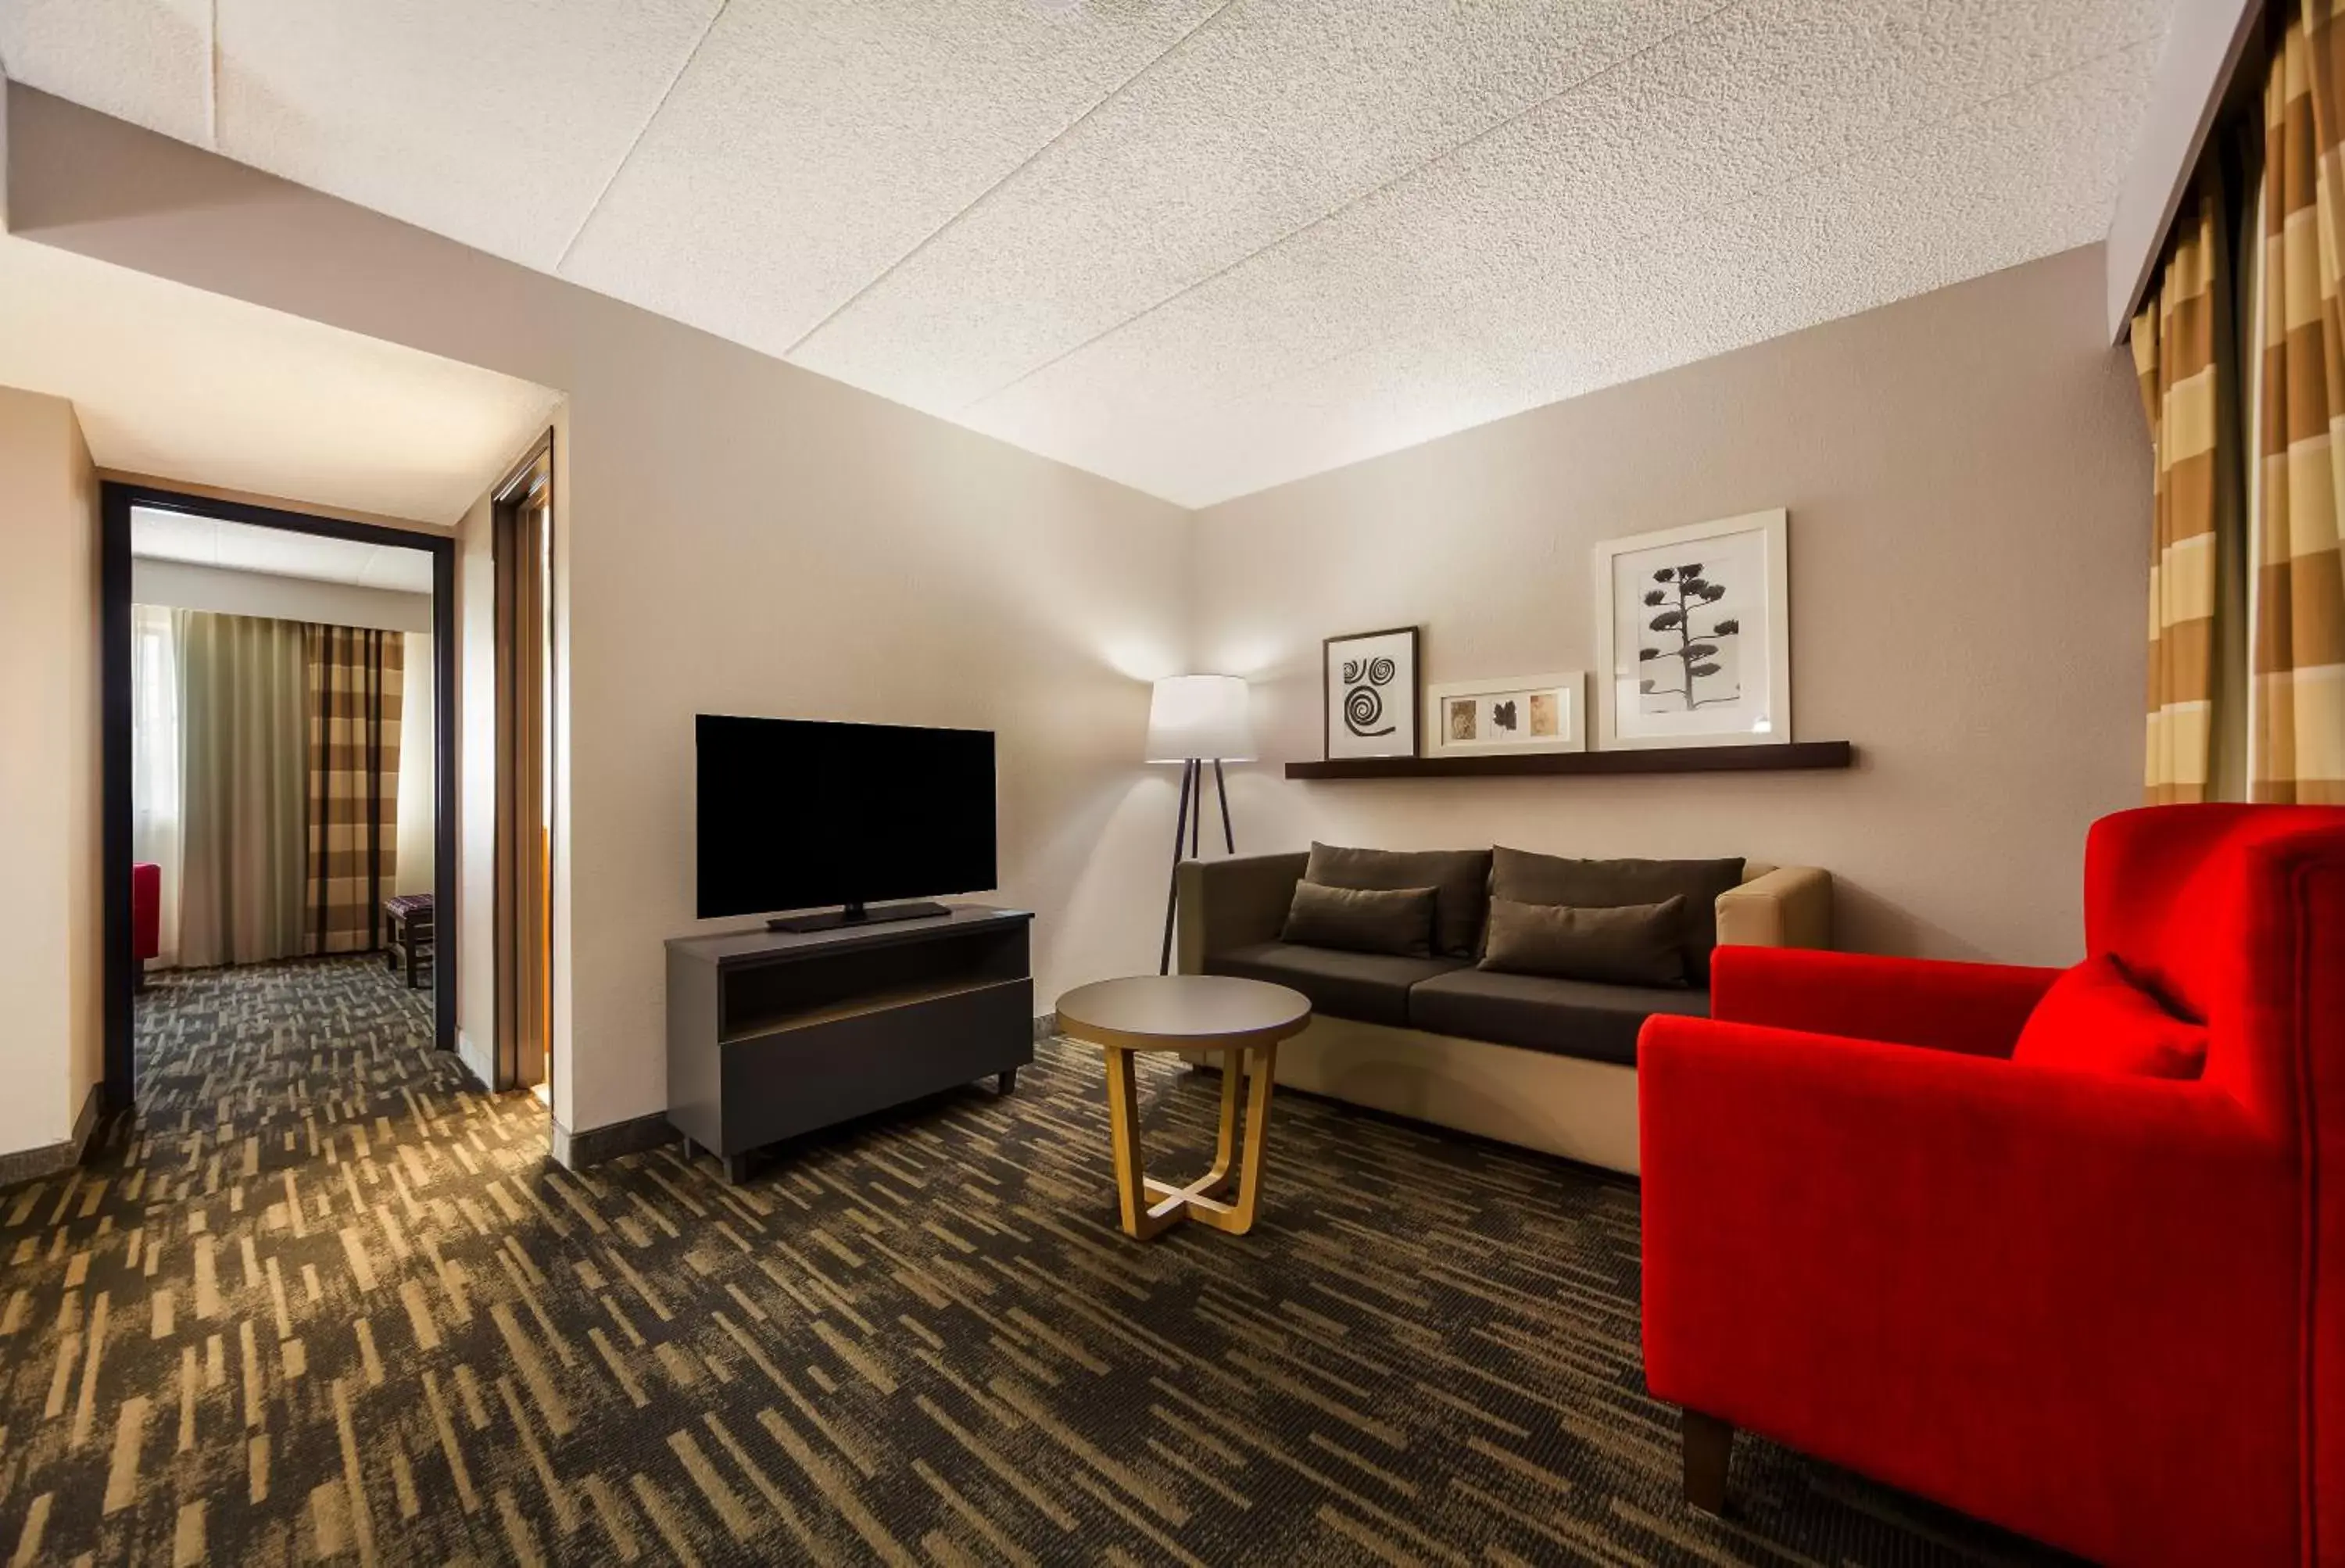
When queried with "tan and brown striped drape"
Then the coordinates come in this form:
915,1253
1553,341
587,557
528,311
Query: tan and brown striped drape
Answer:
354,701
2176,352
2296,746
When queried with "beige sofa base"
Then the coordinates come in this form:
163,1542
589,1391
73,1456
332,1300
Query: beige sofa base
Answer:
1584,1111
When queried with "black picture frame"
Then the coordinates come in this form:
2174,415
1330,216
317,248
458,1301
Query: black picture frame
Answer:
1414,691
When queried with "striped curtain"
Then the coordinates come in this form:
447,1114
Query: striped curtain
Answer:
354,704
2297,717
2175,353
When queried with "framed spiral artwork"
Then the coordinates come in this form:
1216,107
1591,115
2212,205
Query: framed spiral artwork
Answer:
1370,683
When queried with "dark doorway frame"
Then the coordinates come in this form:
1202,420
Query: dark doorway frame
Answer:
115,504
524,1035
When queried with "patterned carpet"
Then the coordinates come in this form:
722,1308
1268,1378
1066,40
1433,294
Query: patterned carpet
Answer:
322,1301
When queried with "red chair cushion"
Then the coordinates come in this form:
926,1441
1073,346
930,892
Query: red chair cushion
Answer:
2095,1020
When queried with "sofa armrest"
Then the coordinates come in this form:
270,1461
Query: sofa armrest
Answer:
1789,906
1944,1270
1978,1009
1233,903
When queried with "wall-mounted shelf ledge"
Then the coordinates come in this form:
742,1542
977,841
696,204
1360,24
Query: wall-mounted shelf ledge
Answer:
1798,754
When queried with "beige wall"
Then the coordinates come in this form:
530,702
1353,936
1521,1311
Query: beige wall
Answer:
1968,483
733,535
49,848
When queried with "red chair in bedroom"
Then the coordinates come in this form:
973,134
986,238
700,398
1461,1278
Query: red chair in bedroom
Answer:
145,917
2063,1250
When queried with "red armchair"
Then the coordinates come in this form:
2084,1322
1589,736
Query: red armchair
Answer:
145,917
2103,1310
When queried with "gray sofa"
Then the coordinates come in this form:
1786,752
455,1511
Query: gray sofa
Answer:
1530,1059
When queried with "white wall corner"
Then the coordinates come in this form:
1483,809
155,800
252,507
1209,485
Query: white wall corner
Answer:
2204,40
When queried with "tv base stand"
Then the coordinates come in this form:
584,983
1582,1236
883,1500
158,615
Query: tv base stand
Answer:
856,915
772,1034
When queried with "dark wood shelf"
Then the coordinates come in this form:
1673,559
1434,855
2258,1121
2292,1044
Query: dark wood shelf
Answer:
1798,754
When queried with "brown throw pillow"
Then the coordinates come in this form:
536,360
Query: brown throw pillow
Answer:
1627,944
1396,921
1460,879
1529,879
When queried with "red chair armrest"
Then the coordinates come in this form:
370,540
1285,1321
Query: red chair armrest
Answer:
1955,1273
1975,1008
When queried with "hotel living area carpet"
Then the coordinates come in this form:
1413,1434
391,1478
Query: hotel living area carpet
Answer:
320,1300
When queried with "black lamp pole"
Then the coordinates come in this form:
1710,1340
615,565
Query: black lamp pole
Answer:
1187,825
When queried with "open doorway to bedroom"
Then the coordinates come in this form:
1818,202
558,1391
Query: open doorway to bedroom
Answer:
280,783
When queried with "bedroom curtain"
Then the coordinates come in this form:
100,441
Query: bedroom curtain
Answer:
2297,712
354,686
2181,343
243,770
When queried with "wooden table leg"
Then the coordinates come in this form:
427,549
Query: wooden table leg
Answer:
1225,1141
1140,1221
1237,1218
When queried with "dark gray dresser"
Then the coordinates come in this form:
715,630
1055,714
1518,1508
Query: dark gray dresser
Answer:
775,1033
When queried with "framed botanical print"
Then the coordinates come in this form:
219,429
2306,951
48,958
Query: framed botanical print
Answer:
1526,713
1693,635
1370,686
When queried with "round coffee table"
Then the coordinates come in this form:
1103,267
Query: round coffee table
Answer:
1243,1020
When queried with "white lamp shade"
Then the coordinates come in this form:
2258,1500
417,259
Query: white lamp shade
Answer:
1201,716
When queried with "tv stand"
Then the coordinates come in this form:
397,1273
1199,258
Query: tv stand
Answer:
772,1034
855,914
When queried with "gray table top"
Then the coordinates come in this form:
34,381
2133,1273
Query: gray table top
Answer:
1183,1012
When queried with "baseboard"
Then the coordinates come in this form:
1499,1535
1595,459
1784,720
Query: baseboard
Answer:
476,1060
594,1146
1046,1026
49,1158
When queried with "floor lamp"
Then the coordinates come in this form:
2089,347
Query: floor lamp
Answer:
1194,719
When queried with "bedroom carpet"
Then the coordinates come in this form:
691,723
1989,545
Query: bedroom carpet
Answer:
322,1300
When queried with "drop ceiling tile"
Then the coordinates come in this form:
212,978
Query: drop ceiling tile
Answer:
397,570
1268,117
174,537
812,145
282,553
145,61
494,124
818,160
1746,100
1901,220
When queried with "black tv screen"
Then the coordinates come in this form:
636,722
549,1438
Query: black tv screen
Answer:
795,813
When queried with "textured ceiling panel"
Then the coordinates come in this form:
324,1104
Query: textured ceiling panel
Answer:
1200,246
159,535
811,146
1272,116
1897,221
1739,104
175,382
496,124
145,61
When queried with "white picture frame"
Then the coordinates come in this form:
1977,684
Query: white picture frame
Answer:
1665,674
1503,717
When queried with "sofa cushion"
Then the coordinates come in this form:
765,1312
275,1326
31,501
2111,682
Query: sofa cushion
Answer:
1362,920
1566,1017
1529,879
2094,1019
1632,944
1371,987
1460,880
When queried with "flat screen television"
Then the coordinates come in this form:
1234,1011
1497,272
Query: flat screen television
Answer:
797,813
